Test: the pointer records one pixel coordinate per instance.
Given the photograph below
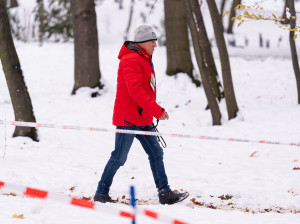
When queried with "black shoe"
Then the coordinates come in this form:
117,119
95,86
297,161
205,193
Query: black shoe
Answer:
171,197
103,198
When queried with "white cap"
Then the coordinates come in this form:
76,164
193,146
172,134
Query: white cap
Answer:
143,34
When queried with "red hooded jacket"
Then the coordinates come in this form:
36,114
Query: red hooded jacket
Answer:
135,98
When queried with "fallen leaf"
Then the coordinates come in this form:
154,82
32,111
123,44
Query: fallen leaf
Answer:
225,197
188,102
196,202
211,206
253,153
21,216
9,194
296,168
72,188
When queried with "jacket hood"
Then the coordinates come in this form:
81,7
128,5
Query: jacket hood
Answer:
130,47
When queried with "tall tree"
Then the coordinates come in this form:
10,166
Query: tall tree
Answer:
222,7
41,19
87,69
221,12
285,19
291,4
213,73
13,3
232,14
177,41
231,103
129,20
19,95
201,41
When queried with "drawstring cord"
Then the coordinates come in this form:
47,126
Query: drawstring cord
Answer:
160,139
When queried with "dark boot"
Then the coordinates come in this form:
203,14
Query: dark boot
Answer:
103,198
171,197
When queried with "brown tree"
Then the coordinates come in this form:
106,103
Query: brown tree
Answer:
13,3
284,19
213,73
232,14
41,18
231,103
291,4
129,20
19,95
177,41
202,46
86,47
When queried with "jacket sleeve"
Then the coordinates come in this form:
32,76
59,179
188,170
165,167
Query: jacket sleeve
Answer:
133,75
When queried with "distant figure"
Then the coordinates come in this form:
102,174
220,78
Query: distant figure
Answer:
134,109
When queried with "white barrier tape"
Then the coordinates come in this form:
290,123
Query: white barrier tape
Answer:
41,194
74,127
35,193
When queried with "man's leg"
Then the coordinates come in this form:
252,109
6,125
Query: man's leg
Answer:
155,156
118,158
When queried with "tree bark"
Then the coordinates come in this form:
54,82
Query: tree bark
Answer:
221,12
41,19
231,103
232,14
222,7
19,95
86,47
129,20
293,47
201,41
286,20
177,41
13,3
213,73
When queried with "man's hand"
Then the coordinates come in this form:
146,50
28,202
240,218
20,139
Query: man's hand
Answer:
164,116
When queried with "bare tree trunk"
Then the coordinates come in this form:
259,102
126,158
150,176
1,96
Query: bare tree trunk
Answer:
177,41
221,12
200,40
129,20
293,47
213,73
13,3
286,20
41,19
19,95
86,47
232,14
222,7
231,103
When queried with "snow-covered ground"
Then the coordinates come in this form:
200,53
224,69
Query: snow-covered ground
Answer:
228,182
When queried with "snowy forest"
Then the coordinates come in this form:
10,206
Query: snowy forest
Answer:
227,72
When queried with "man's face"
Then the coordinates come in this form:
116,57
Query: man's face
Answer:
149,46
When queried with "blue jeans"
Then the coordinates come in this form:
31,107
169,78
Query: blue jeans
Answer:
118,158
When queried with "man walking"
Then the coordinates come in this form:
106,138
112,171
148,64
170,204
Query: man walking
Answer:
135,106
